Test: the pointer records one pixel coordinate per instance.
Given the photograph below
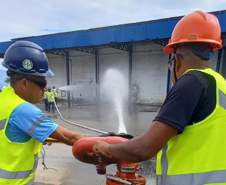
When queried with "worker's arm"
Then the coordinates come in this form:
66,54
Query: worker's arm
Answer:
183,105
140,148
65,136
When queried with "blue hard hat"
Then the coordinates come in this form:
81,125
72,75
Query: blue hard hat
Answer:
27,58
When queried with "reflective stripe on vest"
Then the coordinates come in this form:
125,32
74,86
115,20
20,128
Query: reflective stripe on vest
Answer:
222,99
170,170
194,179
2,124
164,166
188,179
31,182
19,174
23,155
35,125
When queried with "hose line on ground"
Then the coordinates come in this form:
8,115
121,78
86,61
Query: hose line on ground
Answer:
81,125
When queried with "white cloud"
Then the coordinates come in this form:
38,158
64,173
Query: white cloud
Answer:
35,17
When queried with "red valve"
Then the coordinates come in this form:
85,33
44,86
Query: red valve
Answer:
126,172
83,148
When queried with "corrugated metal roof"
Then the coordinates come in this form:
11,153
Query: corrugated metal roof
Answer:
135,32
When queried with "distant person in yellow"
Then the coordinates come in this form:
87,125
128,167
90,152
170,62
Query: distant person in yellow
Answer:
51,99
23,126
45,98
56,93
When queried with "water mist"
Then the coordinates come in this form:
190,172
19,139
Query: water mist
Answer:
115,89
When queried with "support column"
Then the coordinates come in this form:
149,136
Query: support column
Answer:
97,67
130,49
97,80
131,102
97,75
68,77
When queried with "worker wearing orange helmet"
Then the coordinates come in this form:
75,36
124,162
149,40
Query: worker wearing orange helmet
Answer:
188,133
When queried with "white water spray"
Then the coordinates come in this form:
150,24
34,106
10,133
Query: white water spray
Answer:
116,90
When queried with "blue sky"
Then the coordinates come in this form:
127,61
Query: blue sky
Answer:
21,18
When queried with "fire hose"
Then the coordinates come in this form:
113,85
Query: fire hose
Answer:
126,173
81,125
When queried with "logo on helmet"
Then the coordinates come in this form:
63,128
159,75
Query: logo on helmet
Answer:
27,64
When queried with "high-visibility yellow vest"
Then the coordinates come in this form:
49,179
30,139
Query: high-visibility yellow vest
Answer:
45,95
198,155
50,96
56,93
18,161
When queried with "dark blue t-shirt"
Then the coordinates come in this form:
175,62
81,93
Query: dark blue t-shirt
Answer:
190,100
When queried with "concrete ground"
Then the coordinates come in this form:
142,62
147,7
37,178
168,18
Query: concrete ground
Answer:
64,169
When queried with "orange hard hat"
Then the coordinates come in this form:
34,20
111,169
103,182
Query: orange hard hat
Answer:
197,27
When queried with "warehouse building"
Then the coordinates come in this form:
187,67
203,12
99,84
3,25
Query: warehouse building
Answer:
79,59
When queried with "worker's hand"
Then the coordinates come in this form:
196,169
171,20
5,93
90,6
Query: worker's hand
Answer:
103,149
76,136
88,157
66,136
49,141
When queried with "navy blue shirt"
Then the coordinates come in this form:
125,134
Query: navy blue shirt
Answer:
190,100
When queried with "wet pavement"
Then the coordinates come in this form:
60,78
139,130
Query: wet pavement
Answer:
64,169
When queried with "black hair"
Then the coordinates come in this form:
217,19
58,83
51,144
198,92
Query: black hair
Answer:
14,77
201,50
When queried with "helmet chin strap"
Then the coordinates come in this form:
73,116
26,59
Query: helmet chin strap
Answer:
174,72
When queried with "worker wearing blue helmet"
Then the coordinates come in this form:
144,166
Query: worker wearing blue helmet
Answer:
27,58
23,126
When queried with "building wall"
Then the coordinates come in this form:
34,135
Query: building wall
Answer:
83,75
58,66
83,67
149,73
117,61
